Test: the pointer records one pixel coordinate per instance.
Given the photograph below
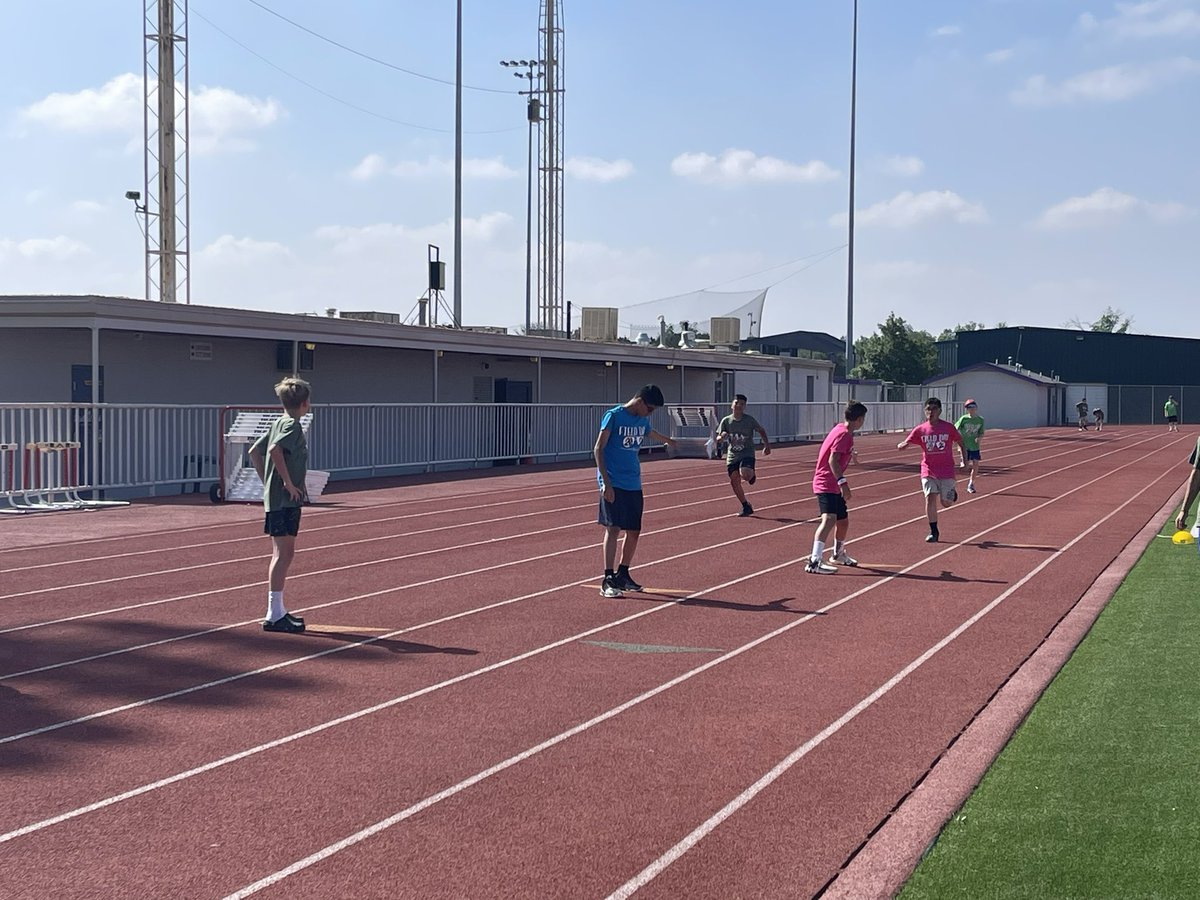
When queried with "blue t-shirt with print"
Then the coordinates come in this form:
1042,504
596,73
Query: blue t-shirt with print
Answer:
625,434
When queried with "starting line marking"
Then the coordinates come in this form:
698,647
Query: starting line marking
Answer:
650,648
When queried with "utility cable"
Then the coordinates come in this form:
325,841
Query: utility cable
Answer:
367,56
332,97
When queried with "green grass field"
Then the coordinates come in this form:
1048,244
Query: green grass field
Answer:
1097,795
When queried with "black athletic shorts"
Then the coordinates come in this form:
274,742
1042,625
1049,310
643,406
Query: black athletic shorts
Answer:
283,522
746,462
625,512
1172,419
833,504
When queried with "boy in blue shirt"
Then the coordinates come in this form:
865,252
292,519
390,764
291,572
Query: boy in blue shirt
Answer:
619,475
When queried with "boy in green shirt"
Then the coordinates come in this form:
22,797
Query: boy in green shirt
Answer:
738,429
1171,411
970,426
281,458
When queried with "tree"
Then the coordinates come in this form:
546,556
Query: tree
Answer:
1111,320
898,353
950,334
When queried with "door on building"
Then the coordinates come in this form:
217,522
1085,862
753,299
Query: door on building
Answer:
514,427
85,420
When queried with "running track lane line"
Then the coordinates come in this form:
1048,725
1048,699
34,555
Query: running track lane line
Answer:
411,628
181,776
654,869
531,559
323,514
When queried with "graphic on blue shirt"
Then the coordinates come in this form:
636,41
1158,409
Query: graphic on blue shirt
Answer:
625,434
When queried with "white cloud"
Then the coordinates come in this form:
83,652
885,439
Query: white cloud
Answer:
947,31
905,166
218,116
744,166
116,106
1107,206
589,168
370,238
374,165
242,251
1106,85
1150,19
58,248
907,209
1004,54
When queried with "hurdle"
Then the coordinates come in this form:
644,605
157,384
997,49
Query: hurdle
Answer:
694,428
8,472
51,470
239,481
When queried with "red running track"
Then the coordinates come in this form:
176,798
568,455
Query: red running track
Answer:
467,717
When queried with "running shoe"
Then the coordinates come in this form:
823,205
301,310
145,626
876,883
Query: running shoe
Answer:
844,559
624,582
284,624
608,587
970,487
816,567
747,510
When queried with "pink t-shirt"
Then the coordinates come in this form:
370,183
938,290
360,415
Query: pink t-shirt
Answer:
937,447
839,441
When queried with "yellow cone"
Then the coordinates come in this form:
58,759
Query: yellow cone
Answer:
1183,537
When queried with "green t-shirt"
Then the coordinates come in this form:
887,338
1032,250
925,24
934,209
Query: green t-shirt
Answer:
971,429
286,434
741,436
1194,459
1170,408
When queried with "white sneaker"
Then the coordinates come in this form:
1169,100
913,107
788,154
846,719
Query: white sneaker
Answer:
844,559
816,567
970,487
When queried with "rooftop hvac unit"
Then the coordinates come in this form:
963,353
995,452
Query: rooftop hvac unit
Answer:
725,331
387,318
599,323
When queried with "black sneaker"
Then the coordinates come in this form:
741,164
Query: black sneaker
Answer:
608,587
747,510
285,624
931,538
624,582
295,620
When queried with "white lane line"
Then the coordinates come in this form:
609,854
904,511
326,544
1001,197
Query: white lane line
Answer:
257,538
672,855
655,868
109,801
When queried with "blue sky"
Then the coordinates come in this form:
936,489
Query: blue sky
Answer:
1025,161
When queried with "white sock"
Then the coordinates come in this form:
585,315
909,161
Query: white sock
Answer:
275,610
818,549
838,547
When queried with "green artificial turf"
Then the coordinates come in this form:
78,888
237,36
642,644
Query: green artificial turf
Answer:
1097,795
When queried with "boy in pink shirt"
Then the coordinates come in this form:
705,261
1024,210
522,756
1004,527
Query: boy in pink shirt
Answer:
936,438
832,490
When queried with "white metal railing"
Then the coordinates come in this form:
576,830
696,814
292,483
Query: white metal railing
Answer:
142,448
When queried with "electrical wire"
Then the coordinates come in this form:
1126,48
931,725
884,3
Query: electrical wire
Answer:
367,56
336,99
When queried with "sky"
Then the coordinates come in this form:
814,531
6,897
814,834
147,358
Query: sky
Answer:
1028,162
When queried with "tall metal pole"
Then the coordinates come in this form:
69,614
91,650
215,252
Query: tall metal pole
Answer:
850,240
458,167
166,150
532,114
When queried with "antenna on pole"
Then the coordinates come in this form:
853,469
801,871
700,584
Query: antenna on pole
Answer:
165,124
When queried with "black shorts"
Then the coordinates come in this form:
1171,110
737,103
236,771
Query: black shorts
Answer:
833,504
283,522
744,463
1172,419
974,454
625,512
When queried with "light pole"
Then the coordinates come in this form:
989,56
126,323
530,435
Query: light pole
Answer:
533,115
850,239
